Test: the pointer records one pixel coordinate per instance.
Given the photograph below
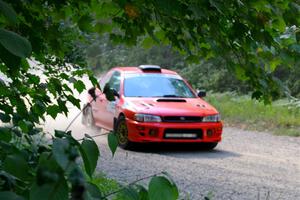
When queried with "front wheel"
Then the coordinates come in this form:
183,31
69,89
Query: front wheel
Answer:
121,131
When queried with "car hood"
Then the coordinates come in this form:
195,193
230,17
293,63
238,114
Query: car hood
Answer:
170,106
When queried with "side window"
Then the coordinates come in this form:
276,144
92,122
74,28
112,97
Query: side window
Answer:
115,81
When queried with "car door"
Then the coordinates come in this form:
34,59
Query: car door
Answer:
98,106
106,109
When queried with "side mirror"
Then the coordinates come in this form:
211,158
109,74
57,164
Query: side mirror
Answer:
202,93
92,92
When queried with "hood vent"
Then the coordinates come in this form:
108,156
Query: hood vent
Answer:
171,100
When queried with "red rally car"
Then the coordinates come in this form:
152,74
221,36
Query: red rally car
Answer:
152,105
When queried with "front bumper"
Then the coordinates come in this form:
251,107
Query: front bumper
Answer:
156,132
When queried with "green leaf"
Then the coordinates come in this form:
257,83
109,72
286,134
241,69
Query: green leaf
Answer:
112,142
59,134
106,9
24,64
84,23
94,81
64,76
33,79
274,63
62,106
21,107
92,191
261,6
79,86
47,162
35,131
15,44
4,118
8,12
25,126
161,188
90,154
13,163
143,193
279,24
6,108
12,61
240,72
53,110
5,134
9,195
108,93
130,193
52,191
73,100
148,42
39,107
60,152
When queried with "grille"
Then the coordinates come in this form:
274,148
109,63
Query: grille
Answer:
185,119
183,134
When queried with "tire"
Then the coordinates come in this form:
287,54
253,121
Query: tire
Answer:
121,132
209,145
87,117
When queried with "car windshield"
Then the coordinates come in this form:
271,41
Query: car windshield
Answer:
156,85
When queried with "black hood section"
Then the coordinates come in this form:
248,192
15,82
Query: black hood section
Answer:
171,100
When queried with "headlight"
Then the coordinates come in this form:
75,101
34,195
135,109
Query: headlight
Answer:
212,118
147,118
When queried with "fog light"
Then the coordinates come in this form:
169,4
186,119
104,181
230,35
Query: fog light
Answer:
142,134
153,132
209,133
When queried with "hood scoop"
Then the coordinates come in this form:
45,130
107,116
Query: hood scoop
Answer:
171,100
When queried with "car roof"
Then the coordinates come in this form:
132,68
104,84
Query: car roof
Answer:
136,70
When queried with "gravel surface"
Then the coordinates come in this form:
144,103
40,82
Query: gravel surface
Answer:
245,165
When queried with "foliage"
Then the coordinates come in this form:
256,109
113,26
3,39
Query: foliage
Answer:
102,55
29,169
35,170
290,77
40,62
47,36
211,76
106,185
160,187
252,37
112,142
281,118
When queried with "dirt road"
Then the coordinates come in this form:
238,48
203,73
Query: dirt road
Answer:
246,165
